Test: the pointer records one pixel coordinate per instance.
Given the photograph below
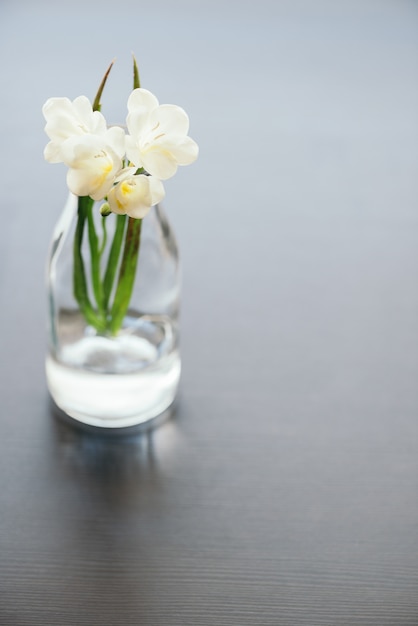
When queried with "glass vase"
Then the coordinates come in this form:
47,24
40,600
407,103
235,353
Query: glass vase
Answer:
113,306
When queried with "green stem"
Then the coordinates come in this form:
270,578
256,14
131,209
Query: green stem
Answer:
79,275
113,259
104,240
126,275
95,260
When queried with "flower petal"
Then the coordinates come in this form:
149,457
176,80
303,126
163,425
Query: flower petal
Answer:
142,99
93,166
169,118
158,139
182,149
54,105
137,122
157,190
65,119
115,138
125,173
135,195
52,152
83,110
159,164
133,152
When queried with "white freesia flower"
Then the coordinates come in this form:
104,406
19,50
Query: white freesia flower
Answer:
66,119
135,195
158,139
94,164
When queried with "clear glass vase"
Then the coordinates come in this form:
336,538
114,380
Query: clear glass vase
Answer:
113,358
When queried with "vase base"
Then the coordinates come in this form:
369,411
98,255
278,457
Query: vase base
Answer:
119,430
114,400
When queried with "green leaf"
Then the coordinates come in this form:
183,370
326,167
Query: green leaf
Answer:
137,82
96,103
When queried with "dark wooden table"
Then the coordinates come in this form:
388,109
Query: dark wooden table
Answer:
283,489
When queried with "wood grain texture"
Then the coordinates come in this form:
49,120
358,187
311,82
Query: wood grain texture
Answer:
282,490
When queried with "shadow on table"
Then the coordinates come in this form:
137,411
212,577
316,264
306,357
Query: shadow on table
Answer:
118,467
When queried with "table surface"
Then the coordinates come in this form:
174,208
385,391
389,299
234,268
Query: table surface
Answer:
282,490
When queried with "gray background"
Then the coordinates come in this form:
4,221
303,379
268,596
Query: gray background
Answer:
283,491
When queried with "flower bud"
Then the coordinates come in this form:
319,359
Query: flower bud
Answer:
105,209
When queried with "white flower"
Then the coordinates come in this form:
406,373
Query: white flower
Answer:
93,162
66,119
158,139
135,195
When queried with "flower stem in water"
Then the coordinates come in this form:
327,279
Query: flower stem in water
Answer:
113,260
79,275
95,261
127,273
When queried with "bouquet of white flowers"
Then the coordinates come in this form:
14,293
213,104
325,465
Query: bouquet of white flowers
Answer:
124,171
